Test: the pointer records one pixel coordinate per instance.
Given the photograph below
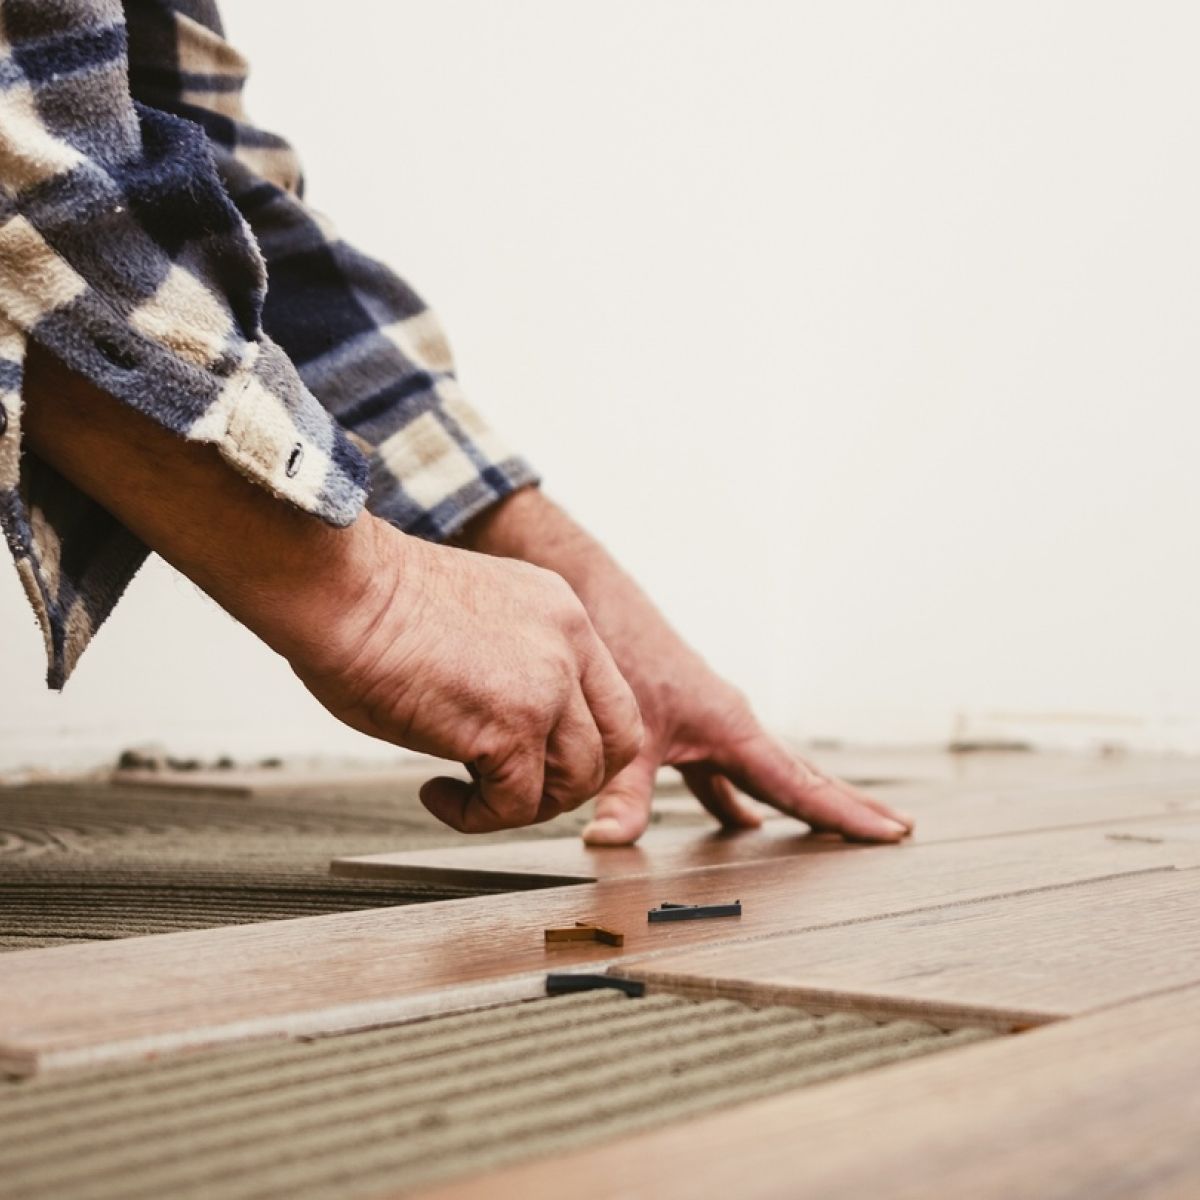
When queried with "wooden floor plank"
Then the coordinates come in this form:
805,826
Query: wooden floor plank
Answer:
1106,1105
943,815
152,995
569,860
1024,959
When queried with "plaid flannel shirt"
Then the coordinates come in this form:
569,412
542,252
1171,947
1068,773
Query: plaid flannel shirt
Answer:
141,218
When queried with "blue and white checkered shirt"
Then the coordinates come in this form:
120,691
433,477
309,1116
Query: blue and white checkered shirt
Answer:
157,242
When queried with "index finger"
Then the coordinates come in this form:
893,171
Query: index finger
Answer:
765,769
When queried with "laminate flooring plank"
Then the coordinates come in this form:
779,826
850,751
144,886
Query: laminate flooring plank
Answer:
942,815
569,860
1019,960
151,995
1102,1106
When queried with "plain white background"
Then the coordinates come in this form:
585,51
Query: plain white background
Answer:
865,333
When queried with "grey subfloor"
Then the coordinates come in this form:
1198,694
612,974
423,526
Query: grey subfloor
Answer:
90,861
392,1109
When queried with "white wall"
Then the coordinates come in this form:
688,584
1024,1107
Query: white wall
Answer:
867,333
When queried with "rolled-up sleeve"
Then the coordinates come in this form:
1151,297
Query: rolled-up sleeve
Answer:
122,253
365,343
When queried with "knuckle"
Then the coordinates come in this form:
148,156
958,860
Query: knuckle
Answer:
524,717
516,808
580,784
566,606
582,781
593,771
551,585
626,741
566,799
560,589
530,711
490,749
566,670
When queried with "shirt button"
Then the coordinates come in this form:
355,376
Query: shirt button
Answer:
117,355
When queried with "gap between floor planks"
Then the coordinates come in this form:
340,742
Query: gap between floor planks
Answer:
99,1002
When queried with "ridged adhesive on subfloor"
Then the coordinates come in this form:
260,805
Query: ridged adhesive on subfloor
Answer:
95,862
352,1115
54,907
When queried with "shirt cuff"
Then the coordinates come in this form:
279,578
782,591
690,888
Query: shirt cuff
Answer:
268,426
443,467
74,560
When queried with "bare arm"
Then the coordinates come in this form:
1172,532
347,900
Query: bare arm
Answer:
479,660
250,553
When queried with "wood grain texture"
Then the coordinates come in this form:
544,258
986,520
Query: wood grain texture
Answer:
148,996
1026,959
1106,1105
943,815
569,860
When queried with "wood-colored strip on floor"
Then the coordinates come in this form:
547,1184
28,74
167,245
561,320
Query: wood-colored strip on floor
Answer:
942,816
143,996
570,860
1104,1105
1024,959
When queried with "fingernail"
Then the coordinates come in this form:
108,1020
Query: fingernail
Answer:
894,827
603,831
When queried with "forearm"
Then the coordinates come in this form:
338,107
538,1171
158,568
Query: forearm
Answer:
466,657
530,526
270,566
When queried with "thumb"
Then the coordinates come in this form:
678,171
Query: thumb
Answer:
623,807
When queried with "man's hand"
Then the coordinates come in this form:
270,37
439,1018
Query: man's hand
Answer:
488,662
693,719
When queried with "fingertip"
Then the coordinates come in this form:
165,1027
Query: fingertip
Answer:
446,799
608,831
882,809
619,820
439,787
861,826
748,818
736,813
623,812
